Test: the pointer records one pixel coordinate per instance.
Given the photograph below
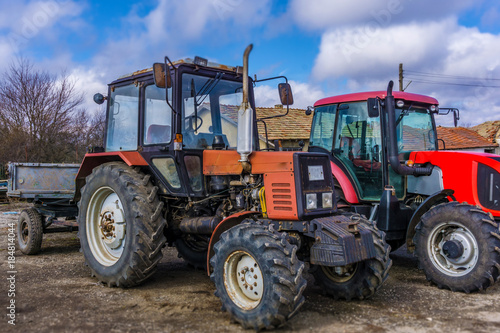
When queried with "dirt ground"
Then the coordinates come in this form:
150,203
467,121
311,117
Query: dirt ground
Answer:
54,292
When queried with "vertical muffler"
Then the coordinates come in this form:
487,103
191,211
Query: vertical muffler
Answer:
245,119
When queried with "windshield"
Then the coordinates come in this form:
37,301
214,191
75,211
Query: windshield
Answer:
414,130
210,109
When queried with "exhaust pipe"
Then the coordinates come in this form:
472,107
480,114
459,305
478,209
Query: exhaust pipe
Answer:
393,147
245,119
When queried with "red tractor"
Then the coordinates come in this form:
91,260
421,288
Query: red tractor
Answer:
445,205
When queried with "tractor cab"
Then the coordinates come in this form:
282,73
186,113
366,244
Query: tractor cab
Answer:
355,135
193,110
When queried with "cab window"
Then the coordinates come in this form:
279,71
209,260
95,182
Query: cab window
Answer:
157,116
123,115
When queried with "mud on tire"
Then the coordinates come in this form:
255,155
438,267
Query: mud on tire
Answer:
458,247
360,280
120,225
257,276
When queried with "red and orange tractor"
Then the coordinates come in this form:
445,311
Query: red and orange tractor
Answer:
180,167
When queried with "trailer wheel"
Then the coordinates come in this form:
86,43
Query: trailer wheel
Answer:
120,225
193,249
257,276
458,247
359,280
29,231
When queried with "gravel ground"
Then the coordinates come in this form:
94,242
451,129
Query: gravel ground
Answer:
54,292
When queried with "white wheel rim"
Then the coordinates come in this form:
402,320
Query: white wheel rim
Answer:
453,231
243,280
106,226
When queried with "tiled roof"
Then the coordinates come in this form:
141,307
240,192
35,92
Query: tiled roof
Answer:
462,138
489,130
295,125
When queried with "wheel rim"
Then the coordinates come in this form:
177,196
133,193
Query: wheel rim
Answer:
456,233
340,274
106,226
24,232
243,280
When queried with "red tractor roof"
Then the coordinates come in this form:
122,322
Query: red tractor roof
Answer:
363,96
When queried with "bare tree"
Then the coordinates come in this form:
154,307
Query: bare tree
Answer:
38,113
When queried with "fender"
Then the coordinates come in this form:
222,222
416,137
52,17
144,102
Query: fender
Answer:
421,210
224,225
345,184
90,161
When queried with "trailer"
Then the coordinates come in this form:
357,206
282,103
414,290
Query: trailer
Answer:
51,189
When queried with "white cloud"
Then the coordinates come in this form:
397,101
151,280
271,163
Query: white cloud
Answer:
304,95
363,52
326,14
24,22
368,59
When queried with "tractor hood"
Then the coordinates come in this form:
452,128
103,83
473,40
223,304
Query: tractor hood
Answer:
475,177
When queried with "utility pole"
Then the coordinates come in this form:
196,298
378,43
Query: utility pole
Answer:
401,77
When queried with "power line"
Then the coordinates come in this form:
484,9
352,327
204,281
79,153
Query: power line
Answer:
453,83
449,76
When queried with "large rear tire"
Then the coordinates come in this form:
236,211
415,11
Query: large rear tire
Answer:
120,225
458,247
257,276
29,231
359,280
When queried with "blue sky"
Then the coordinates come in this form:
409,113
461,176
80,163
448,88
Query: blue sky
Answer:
450,49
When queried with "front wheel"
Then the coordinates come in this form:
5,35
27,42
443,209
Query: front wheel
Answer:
359,280
257,276
120,225
458,247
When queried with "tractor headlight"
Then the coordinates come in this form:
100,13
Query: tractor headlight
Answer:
311,201
327,200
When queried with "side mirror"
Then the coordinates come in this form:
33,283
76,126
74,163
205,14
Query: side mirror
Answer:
373,107
99,98
285,91
161,75
309,110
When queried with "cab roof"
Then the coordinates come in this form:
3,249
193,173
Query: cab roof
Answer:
180,62
363,96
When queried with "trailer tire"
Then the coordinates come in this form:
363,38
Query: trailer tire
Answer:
121,225
30,231
257,276
458,247
360,280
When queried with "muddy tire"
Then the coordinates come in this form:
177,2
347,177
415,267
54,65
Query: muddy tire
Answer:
257,276
193,249
120,225
29,231
360,280
458,247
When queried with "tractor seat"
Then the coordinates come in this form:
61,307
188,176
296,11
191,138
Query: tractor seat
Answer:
158,134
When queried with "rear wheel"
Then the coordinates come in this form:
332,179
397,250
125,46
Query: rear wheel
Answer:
458,247
257,276
359,280
193,249
29,231
120,225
